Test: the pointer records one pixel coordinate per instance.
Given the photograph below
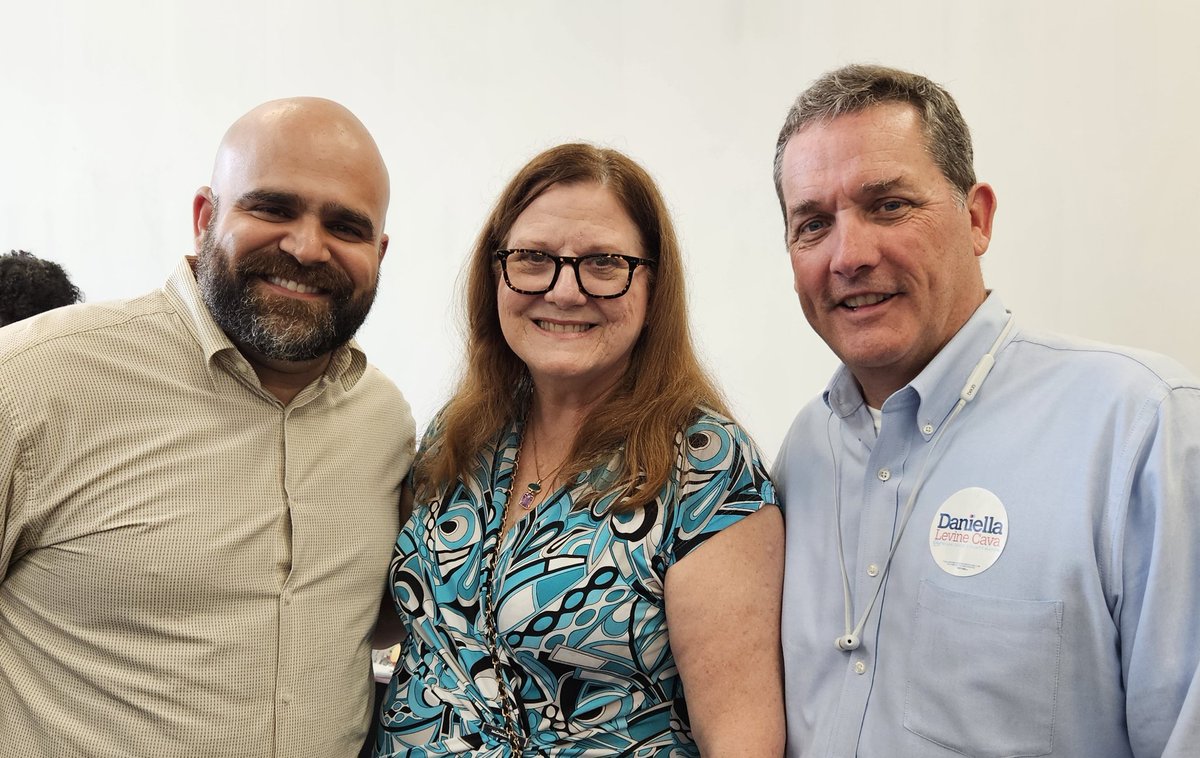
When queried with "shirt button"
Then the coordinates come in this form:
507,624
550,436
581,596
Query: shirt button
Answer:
860,667
884,475
927,429
872,570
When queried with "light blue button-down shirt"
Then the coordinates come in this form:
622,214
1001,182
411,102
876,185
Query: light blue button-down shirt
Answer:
1082,639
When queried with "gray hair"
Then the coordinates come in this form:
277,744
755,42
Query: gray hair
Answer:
857,87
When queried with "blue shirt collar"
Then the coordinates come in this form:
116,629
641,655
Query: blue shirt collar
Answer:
936,389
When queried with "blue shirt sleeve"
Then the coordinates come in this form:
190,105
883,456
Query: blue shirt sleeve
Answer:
1158,606
721,480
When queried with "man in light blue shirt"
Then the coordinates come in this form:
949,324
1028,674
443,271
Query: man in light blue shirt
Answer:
993,534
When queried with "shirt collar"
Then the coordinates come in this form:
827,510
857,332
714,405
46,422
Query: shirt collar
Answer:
938,386
842,395
347,364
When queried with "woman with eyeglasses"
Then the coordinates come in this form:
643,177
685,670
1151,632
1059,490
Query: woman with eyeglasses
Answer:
593,564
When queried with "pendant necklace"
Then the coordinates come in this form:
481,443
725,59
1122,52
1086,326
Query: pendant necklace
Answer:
534,488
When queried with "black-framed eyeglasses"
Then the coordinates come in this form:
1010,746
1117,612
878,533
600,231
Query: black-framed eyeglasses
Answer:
600,275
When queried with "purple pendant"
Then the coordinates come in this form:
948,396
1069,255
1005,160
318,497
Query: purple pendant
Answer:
531,489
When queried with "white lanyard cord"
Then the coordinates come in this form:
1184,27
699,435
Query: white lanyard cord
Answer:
852,638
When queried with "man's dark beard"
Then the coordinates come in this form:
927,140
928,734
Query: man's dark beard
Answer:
275,326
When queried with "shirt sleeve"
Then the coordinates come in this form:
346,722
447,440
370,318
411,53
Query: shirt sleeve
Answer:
1159,612
10,483
722,479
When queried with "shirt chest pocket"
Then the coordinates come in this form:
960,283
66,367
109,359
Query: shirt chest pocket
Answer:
983,673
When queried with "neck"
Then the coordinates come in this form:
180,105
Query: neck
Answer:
554,398
557,415
876,393
552,430
285,379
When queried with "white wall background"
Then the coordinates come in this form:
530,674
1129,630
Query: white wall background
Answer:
1084,116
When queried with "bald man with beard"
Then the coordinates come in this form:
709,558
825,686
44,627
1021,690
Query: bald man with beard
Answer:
200,486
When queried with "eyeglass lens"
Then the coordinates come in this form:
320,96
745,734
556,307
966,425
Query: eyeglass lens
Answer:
598,275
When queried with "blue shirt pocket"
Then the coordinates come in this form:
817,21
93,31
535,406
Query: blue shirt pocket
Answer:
983,673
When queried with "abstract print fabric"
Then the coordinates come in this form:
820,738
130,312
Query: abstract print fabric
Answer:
579,606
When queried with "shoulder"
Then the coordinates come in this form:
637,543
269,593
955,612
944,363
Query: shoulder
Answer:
385,405
380,386
435,429
715,447
1131,386
82,328
808,427
1112,365
1111,400
721,479
711,422
716,435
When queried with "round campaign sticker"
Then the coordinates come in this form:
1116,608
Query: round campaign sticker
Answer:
968,532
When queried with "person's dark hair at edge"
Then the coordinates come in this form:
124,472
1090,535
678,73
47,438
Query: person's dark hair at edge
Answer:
30,285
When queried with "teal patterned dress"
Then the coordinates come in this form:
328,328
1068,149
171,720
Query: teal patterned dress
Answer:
581,624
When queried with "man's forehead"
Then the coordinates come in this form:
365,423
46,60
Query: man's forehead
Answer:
303,178
848,155
303,142
306,184
804,182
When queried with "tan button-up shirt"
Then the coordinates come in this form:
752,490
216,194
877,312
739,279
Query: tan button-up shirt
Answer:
187,566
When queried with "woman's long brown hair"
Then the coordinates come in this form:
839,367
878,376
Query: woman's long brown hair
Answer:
663,386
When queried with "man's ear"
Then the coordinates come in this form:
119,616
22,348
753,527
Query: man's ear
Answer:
981,204
203,208
383,243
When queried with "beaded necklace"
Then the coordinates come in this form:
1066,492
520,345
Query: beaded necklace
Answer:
511,731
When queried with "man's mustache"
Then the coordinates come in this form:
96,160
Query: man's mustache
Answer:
274,262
